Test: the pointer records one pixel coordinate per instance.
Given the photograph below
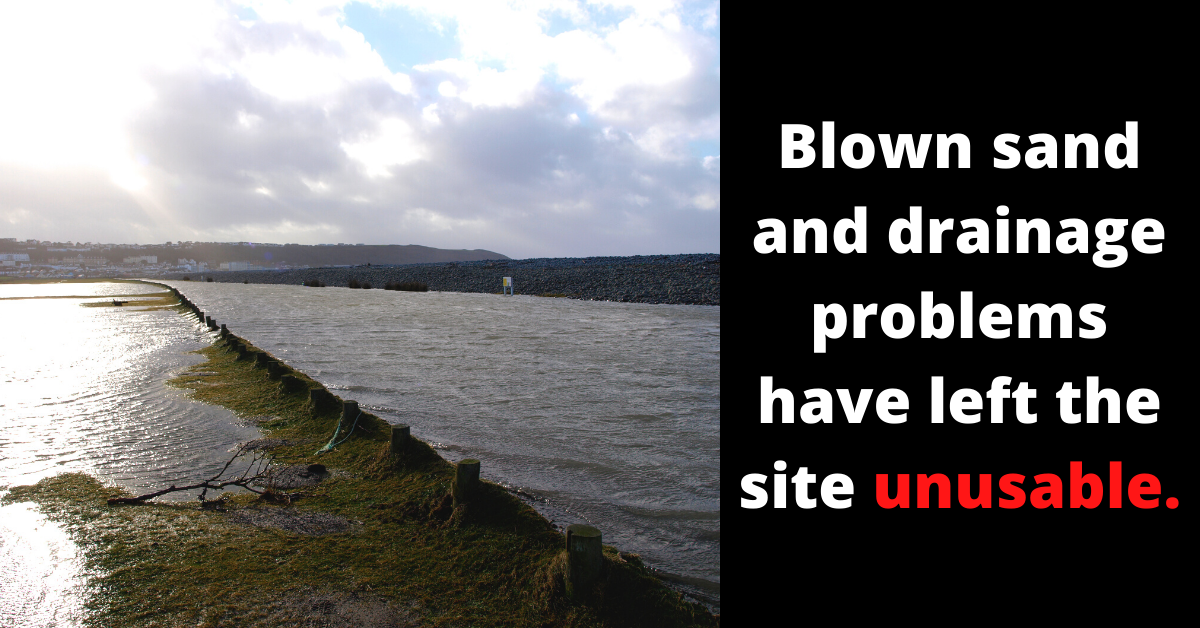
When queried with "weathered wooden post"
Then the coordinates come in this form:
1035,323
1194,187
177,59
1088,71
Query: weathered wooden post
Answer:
290,384
242,353
314,400
400,434
319,399
585,558
466,480
274,370
350,413
261,360
224,330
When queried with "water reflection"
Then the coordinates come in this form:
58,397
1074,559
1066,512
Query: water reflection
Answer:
604,413
41,581
84,389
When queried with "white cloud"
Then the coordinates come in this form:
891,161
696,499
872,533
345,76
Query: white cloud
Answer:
639,52
72,74
637,199
394,144
315,186
248,120
183,120
401,83
422,218
711,15
127,176
706,201
430,114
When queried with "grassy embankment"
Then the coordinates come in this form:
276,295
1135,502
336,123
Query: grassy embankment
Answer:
407,557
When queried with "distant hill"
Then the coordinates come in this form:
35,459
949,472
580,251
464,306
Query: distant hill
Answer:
261,254
311,255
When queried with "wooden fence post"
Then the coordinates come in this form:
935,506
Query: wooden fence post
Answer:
400,434
585,558
466,480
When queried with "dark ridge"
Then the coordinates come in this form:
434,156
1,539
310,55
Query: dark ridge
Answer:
680,279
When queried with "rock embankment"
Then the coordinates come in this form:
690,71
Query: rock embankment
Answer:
682,279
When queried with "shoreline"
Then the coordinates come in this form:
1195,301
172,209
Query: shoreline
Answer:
381,495
693,279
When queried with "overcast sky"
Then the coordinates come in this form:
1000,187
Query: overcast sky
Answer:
547,128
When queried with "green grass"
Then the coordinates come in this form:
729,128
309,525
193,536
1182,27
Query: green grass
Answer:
152,301
412,556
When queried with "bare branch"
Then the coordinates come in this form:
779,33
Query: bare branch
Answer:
256,471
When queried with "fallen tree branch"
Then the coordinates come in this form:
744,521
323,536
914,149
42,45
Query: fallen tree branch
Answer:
255,471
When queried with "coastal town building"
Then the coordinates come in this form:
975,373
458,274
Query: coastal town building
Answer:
242,266
78,260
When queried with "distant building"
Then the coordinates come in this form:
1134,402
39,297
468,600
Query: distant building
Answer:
241,266
79,260
13,259
149,259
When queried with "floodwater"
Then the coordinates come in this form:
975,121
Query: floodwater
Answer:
608,413
604,413
84,389
41,582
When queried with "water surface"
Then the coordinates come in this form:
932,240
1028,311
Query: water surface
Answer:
84,389
604,413
609,413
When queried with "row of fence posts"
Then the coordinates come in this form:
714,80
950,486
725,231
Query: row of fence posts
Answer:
584,547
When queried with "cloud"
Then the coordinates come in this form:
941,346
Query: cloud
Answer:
394,144
560,128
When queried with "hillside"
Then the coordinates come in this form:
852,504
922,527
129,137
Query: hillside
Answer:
215,253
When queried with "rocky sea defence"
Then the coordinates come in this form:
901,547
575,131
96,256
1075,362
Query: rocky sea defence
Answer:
679,279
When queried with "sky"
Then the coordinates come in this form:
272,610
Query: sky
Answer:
549,128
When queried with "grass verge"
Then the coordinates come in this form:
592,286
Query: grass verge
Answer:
151,301
407,555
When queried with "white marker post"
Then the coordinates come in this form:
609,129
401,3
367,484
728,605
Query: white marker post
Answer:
508,287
